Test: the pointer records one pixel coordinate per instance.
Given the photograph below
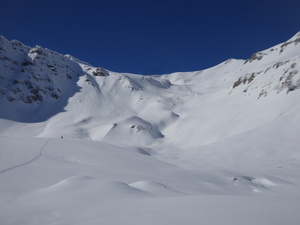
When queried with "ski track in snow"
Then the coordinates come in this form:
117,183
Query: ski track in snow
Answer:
30,161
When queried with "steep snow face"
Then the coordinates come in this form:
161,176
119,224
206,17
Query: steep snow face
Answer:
35,83
273,70
236,96
75,139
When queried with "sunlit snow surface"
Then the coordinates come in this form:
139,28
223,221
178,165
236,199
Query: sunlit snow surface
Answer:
217,146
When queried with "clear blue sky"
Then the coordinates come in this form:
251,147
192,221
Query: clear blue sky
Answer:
151,37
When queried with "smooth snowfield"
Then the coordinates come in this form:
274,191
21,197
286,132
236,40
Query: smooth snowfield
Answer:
84,145
56,181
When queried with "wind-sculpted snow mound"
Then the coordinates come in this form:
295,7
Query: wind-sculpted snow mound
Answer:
79,189
256,184
133,130
155,188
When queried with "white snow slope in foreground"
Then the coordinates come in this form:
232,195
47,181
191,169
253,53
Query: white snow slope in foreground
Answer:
217,146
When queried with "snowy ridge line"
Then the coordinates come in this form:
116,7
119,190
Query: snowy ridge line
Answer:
30,161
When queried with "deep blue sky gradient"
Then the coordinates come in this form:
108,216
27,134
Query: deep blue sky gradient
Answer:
151,37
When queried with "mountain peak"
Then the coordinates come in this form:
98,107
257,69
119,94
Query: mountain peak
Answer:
43,78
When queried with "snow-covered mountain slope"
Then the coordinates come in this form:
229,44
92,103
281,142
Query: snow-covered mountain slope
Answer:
172,149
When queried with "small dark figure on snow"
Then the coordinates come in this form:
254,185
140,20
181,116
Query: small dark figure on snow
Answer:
61,137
